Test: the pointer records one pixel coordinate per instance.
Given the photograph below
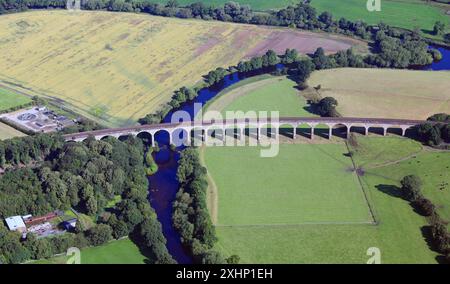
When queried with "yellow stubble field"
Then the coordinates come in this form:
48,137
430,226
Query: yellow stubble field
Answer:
385,93
117,67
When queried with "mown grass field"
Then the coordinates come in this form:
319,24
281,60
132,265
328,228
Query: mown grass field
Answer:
385,93
117,252
409,14
117,67
303,184
9,99
378,151
398,232
7,132
278,94
262,93
434,170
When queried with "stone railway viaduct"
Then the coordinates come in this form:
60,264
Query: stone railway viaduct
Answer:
208,127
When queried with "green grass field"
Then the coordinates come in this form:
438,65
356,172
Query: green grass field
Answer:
434,170
281,96
304,184
9,99
397,234
379,151
403,14
263,93
117,252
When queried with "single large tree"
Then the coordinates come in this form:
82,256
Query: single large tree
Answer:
411,187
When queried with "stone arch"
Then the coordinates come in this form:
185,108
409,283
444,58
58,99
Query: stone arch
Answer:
125,137
162,136
197,135
146,137
341,130
105,137
249,128
268,129
408,131
359,128
288,130
397,130
321,130
305,129
376,129
180,137
215,132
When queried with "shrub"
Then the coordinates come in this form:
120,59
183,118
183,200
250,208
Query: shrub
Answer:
99,234
424,206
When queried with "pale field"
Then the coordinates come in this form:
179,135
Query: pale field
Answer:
385,93
117,67
7,132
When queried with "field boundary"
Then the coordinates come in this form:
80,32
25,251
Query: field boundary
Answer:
299,224
212,193
366,198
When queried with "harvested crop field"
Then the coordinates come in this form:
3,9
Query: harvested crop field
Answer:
117,67
385,93
7,132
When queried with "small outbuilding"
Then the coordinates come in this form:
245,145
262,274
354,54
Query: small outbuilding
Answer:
70,224
16,223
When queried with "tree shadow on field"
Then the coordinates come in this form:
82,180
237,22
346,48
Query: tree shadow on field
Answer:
428,32
428,237
390,190
426,231
148,256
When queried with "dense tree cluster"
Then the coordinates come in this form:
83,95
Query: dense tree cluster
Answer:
82,125
436,131
326,107
11,6
394,52
412,191
190,216
84,176
270,59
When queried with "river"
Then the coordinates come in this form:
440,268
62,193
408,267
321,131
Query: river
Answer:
164,186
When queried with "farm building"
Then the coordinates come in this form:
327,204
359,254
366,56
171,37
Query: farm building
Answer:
16,223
